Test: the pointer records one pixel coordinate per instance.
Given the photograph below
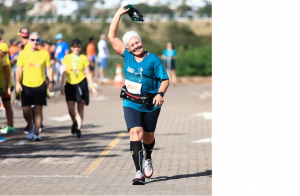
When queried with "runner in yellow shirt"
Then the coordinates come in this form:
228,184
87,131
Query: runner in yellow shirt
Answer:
6,86
31,66
24,37
76,88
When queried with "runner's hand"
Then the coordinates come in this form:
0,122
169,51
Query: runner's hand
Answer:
51,87
122,10
95,93
19,88
62,89
8,91
158,99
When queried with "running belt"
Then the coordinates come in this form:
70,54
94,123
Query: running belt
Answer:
141,99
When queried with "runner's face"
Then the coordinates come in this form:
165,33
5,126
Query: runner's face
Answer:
135,46
76,49
169,45
34,41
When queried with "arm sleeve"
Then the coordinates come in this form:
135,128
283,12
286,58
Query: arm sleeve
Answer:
160,71
126,53
65,60
66,46
175,53
101,44
20,61
5,61
86,61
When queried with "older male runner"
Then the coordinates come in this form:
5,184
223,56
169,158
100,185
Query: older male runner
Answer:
31,64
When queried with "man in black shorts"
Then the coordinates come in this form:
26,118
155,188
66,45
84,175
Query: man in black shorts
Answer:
31,66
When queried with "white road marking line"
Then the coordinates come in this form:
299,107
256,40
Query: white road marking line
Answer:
24,155
205,115
51,160
20,143
206,140
61,119
11,160
20,157
205,94
42,176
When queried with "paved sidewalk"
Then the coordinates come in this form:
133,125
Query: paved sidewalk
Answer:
100,162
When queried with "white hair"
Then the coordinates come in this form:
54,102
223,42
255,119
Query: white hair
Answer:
129,35
34,33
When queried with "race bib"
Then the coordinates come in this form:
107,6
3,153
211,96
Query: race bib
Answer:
133,87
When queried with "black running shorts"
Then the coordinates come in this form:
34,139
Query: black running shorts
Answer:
5,96
34,96
77,92
135,118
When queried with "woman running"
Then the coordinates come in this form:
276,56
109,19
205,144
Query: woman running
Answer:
145,77
170,55
75,66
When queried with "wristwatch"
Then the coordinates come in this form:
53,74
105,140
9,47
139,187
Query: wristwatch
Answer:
51,82
161,94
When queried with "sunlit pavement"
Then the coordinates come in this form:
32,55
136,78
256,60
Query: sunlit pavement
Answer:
100,162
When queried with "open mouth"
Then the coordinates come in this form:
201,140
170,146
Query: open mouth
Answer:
138,49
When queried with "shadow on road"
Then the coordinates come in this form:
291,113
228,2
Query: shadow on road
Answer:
166,178
57,146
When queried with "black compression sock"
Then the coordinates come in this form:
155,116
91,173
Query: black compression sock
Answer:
136,149
149,148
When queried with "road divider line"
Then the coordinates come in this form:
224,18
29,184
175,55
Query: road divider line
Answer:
96,163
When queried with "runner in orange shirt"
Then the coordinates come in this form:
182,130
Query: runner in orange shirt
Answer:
91,53
13,49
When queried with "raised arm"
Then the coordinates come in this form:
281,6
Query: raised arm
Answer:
116,43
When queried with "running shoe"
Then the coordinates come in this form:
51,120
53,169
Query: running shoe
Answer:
2,139
139,178
148,169
78,133
74,128
8,129
36,137
26,129
42,128
31,133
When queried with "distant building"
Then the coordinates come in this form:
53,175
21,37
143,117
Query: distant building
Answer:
41,8
57,7
106,5
65,7
10,3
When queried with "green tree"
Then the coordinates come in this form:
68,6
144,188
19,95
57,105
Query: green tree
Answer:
207,9
184,8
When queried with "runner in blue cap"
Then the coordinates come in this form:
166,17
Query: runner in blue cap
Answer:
61,50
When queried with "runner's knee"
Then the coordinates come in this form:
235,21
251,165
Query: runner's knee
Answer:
136,133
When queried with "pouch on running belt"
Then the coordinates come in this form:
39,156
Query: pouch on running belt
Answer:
141,99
